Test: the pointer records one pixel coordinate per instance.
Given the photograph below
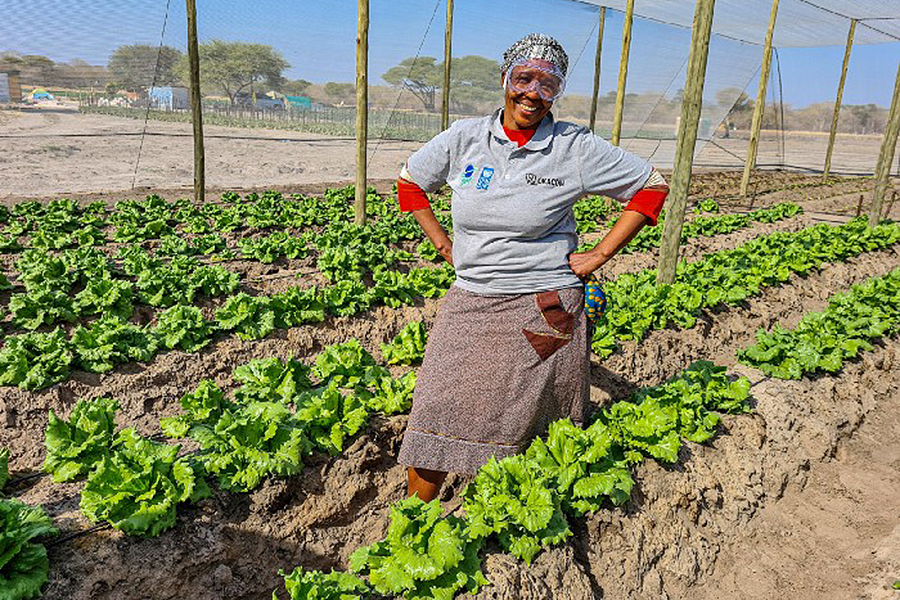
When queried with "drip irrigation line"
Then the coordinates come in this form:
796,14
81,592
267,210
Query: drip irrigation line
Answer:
162,37
77,534
411,67
26,478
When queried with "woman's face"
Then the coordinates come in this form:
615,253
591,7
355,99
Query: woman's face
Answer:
524,110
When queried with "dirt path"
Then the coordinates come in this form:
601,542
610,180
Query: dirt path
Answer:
834,535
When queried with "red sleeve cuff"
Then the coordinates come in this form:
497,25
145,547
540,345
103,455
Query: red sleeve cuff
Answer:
411,196
649,203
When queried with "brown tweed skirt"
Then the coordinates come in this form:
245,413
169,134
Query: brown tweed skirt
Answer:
497,371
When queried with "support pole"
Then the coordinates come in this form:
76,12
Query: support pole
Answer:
837,102
362,107
687,139
760,106
596,95
886,156
196,104
623,73
445,91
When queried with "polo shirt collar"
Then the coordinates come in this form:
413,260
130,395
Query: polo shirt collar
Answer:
541,138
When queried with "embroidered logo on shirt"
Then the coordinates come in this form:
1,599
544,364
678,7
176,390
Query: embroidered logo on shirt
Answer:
466,178
484,180
532,179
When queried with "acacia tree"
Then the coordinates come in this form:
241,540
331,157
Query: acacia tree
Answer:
421,76
474,80
339,92
234,66
138,66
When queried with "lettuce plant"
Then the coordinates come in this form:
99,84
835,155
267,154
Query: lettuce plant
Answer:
138,487
24,566
408,347
35,360
424,555
183,327
77,445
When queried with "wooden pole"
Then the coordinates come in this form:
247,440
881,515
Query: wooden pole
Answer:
760,106
445,92
886,156
596,95
890,206
837,103
687,139
362,107
196,104
623,73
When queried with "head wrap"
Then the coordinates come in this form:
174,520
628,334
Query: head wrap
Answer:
540,46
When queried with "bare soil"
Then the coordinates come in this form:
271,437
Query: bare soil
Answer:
796,499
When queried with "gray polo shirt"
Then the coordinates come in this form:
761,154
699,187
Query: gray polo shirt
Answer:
513,225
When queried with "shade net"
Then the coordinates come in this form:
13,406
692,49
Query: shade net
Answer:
105,105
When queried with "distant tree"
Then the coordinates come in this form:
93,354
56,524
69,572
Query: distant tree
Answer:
137,67
738,105
421,76
339,92
474,80
296,87
863,118
34,69
235,66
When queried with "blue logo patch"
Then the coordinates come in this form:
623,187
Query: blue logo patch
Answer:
484,180
467,175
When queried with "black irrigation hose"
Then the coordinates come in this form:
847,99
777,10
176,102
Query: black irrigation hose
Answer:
26,478
77,534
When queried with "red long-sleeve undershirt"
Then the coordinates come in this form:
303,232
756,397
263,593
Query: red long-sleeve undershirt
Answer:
647,202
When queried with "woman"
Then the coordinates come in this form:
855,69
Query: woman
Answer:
509,351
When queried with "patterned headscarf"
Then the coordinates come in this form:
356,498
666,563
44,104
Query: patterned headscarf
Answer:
540,46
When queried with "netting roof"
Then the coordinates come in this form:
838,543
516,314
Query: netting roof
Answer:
800,22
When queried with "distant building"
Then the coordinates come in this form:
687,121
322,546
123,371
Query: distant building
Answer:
299,101
10,88
169,97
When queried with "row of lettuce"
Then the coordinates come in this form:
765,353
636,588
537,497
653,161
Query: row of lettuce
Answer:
281,411
637,304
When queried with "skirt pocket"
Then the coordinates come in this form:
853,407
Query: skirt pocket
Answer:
555,328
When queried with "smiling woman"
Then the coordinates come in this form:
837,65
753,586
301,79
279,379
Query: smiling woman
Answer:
508,353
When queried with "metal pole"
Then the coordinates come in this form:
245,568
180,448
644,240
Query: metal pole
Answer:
362,106
837,102
597,67
760,106
196,105
691,107
886,156
445,92
623,72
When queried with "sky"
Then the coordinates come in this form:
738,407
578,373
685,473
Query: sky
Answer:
318,39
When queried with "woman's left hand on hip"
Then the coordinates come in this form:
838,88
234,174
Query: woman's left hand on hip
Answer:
585,263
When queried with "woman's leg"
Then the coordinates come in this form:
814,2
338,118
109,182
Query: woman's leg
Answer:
425,482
